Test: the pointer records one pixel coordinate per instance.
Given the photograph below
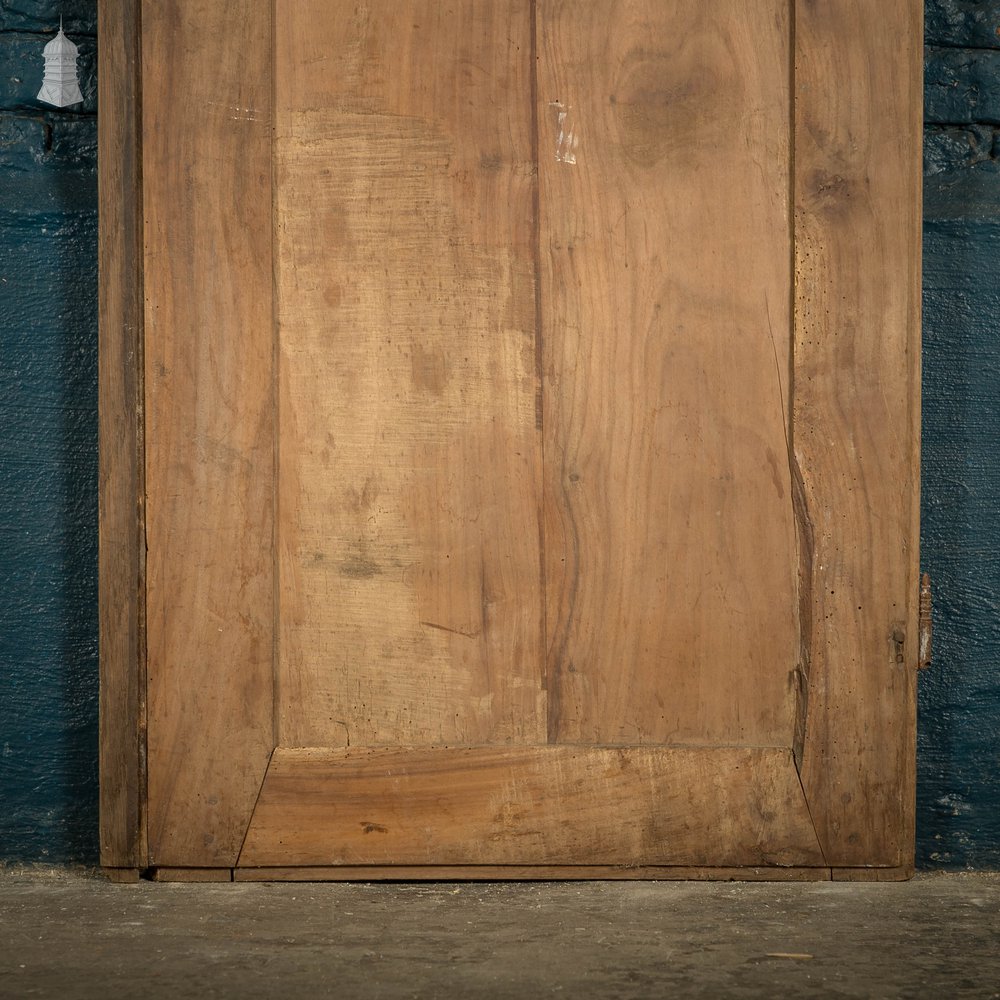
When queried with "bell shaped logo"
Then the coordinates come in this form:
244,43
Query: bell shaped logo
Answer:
60,86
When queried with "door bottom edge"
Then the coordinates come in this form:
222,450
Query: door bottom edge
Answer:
513,873
528,873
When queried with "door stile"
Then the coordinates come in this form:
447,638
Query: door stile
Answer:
209,416
536,211
272,62
803,526
121,489
856,415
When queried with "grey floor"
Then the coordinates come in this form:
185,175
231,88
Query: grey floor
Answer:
72,934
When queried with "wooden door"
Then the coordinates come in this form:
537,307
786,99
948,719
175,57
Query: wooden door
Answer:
510,430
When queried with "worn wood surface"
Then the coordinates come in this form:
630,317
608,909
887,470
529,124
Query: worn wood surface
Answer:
191,874
209,410
121,491
553,805
925,650
534,873
856,415
516,457
898,874
121,876
409,573
671,600
526,873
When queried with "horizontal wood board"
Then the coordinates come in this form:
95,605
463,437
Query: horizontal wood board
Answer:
552,804
527,873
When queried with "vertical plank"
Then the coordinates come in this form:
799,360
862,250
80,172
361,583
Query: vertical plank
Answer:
122,543
209,399
671,568
409,453
856,414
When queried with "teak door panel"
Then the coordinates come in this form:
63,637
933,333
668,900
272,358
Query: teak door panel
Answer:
670,564
409,497
509,437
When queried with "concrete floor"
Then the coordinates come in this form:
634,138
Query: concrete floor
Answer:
72,934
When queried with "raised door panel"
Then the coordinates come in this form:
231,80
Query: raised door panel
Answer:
409,450
671,568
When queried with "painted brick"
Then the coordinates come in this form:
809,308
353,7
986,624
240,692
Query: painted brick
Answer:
963,23
962,86
48,460
959,756
22,67
48,533
79,16
953,147
59,145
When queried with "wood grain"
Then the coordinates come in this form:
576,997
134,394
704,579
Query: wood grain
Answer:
410,604
899,874
856,414
121,876
528,430
670,545
527,873
544,805
520,873
209,406
191,874
121,492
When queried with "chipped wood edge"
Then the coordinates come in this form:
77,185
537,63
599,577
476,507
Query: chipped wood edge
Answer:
121,491
901,873
926,622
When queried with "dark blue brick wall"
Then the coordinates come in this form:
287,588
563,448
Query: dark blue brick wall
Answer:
48,439
958,804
